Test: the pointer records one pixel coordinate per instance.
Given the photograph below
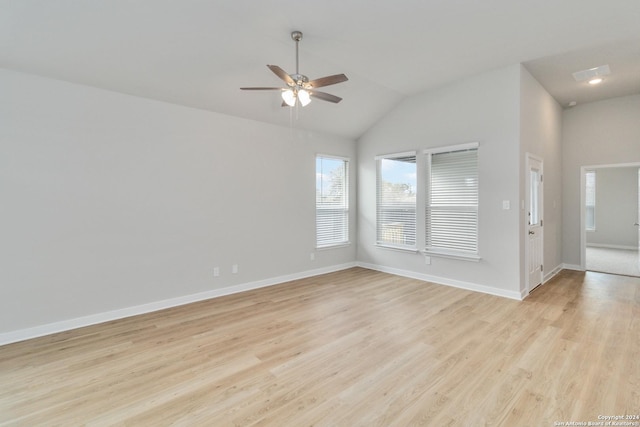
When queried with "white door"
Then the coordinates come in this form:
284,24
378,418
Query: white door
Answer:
535,222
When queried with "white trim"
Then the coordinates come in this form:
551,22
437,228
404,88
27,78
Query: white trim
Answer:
607,246
332,156
333,246
573,267
396,155
442,253
545,279
583,220
529,159
346,209
413,249
583,230
444,281
553,273
451,148
379,196
595,222
613,165
66,325
427,204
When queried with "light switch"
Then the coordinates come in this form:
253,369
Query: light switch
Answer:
506,205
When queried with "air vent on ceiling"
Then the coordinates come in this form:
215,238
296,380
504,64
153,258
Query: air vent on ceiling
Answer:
591,73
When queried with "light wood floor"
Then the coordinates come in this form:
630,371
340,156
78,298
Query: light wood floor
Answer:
353,348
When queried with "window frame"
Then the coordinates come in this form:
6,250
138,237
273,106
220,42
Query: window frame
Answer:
451,252
379,231
344,209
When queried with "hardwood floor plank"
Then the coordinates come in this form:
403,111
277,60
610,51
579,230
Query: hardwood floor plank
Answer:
353,348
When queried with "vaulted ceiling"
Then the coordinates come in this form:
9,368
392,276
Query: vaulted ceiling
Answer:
199,53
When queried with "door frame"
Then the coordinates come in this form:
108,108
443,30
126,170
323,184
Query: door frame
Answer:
583,185
527,209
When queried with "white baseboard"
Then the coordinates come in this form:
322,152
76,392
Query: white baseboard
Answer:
550,275
444,281
575,267
66,325
606,246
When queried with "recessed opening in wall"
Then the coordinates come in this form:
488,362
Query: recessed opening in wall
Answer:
610,235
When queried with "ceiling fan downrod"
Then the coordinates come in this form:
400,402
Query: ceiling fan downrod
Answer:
297,36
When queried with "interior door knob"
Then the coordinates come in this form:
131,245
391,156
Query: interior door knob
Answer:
531,232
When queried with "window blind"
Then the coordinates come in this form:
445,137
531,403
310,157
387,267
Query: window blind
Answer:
332,201
396,200
452,201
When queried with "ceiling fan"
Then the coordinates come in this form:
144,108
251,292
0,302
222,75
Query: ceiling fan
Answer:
299,88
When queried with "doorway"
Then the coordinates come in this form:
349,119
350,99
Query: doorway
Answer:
610,235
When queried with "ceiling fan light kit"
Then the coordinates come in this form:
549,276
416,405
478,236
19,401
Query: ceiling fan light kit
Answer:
299,88
290,96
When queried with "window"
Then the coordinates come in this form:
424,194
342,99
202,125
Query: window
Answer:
451,208
534,197
332,201
396,200
590,199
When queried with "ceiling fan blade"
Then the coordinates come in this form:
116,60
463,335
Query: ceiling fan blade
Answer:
325,96
260,88
329,80
282,74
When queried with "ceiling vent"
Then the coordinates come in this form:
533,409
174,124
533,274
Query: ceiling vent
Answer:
591,73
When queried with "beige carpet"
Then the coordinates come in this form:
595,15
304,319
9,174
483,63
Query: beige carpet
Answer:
614,261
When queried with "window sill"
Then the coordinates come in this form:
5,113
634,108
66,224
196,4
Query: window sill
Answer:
397,248
333,246
452,254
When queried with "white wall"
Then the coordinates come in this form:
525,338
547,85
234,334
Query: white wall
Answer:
598,133
541,135
485,109
110,201
616,208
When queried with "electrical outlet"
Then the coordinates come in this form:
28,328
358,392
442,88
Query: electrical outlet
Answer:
234,268
216,271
